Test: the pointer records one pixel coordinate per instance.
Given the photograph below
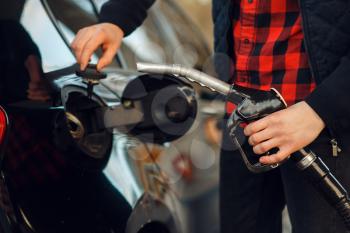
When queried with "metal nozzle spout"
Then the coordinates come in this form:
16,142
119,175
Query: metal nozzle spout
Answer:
188,73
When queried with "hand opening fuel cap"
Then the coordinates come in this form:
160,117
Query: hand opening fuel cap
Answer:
91,76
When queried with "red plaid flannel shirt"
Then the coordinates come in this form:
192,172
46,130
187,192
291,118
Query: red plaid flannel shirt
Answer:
269,48
31,157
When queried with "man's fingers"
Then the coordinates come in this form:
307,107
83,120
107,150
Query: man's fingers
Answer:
91,45
260,136
279,157
255,127
265,146
85,53
80,41
77,44
107,57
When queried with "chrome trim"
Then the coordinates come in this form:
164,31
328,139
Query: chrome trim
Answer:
306,161
79,132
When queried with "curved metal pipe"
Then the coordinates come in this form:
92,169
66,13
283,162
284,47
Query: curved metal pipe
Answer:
188,73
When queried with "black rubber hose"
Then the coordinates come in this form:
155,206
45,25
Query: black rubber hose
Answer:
317,172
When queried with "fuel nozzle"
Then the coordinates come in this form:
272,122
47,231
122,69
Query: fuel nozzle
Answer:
91,77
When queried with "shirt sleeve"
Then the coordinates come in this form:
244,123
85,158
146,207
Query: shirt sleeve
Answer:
330,100
127,14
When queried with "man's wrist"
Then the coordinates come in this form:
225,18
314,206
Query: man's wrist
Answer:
114,27
311,112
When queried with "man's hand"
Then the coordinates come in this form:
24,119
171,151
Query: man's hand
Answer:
89,39
37,90
289,130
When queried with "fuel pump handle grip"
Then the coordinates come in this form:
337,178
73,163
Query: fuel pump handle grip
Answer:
257,105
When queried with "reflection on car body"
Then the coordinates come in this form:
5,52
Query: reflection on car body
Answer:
172,187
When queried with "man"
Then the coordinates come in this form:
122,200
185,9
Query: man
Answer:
301,48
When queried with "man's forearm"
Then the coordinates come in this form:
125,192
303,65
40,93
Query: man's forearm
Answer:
127,14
